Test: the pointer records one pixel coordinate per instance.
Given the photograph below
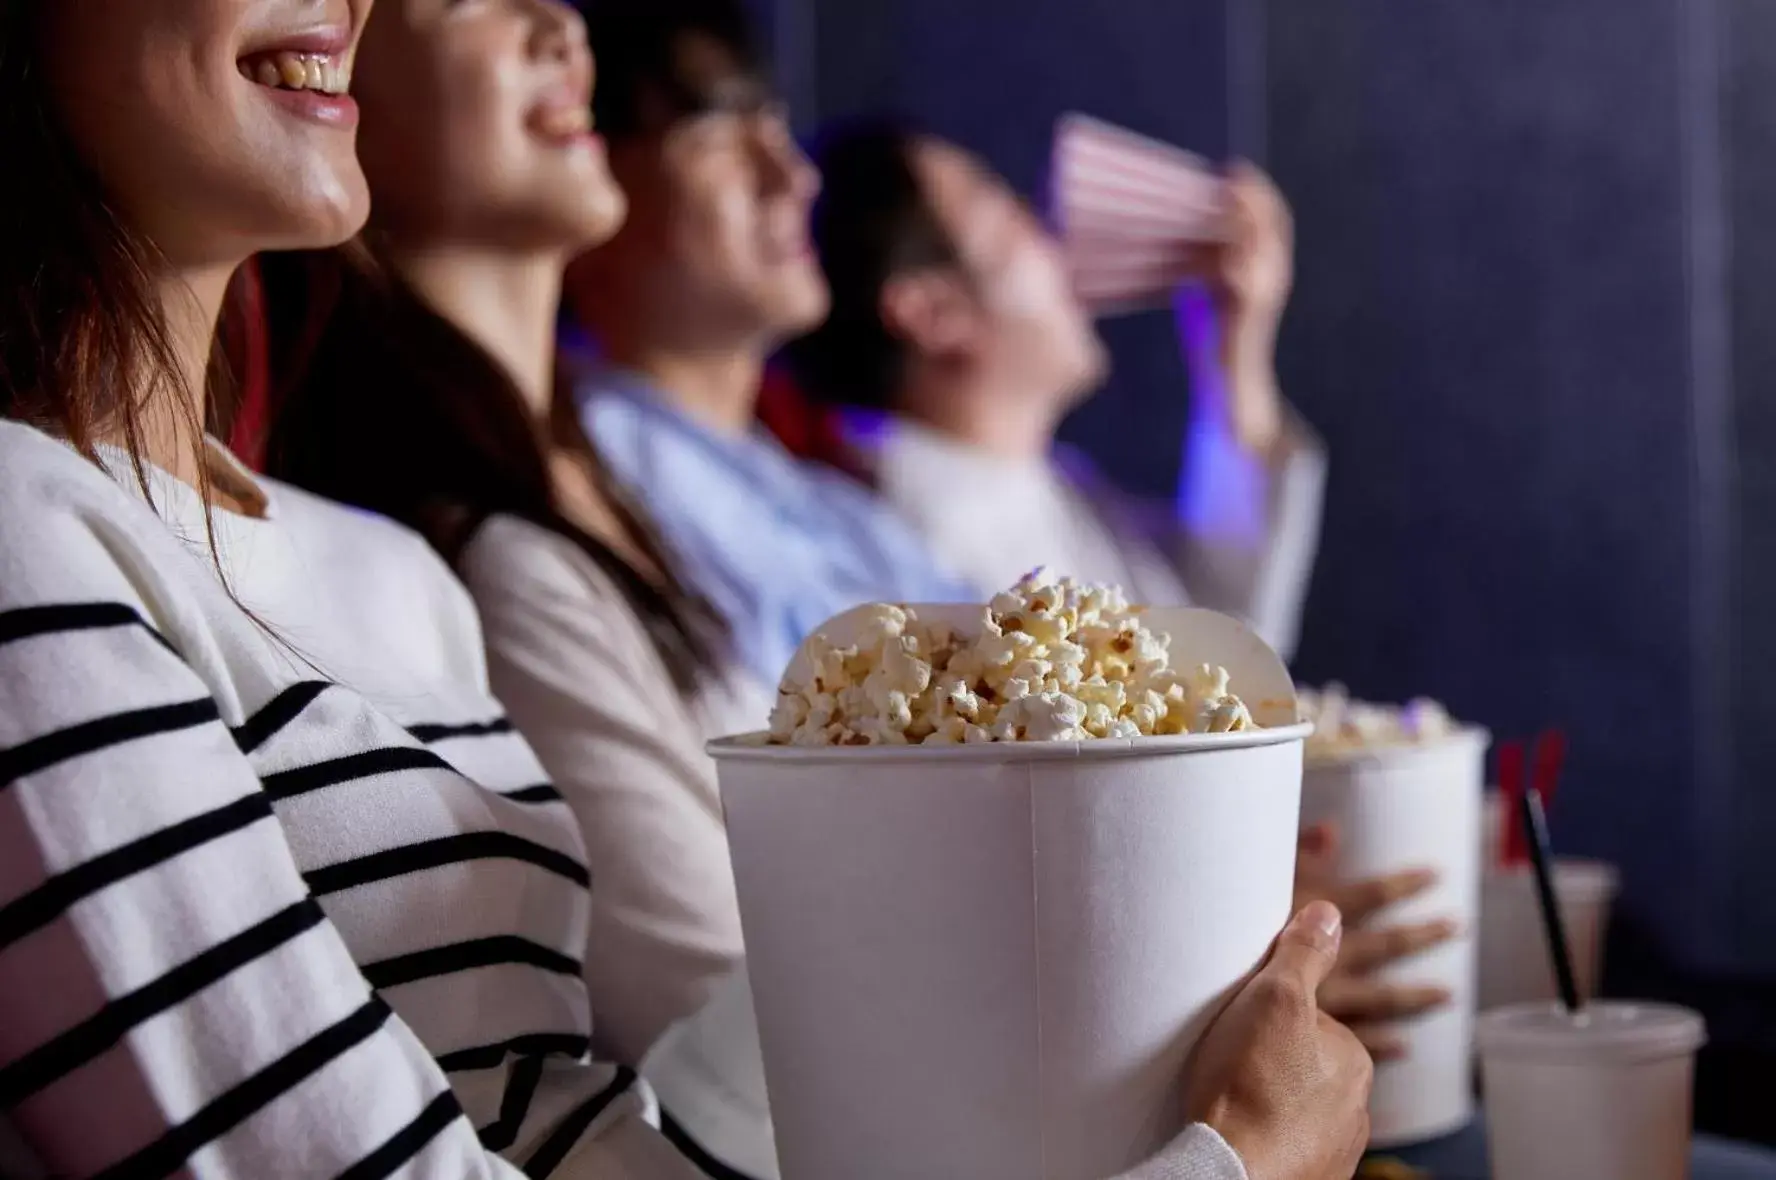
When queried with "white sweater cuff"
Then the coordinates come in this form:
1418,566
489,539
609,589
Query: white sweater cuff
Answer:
1198,1154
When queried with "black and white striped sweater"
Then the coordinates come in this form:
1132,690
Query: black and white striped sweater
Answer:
252,925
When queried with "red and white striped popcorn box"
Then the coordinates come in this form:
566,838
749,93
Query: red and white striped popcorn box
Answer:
1135,214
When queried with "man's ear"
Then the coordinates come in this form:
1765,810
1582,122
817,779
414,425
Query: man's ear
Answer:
931,310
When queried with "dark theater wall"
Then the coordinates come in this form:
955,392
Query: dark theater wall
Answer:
1512,325
1750,141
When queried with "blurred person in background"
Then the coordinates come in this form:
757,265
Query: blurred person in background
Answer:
714,270
957,346
414,374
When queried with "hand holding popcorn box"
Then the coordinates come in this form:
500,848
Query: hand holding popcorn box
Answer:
1403,786
998,868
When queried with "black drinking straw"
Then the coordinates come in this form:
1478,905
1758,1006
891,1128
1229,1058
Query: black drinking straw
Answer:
1535,826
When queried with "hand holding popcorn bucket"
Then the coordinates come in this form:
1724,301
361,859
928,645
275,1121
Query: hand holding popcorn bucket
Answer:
992,958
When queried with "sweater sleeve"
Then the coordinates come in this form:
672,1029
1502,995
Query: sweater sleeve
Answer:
1250,525
1250,522
1198,1154
578,678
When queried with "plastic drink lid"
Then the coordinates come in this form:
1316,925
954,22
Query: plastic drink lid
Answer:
1585,880
1603,1031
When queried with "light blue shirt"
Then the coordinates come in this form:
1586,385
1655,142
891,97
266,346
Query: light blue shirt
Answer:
777,545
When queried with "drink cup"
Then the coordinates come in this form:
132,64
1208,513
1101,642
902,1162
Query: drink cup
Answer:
1603,1095
1401,807
1514,963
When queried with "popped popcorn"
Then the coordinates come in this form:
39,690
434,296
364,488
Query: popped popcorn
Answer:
1343,725
1047,660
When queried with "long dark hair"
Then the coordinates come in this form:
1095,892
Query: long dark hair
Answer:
84,341
381,402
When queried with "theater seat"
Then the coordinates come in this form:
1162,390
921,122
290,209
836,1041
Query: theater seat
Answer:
806,428
244,343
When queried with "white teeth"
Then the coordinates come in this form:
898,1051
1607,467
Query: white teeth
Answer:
565,121
298,71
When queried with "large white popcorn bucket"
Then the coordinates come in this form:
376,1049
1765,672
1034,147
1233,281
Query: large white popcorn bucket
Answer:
992,962
1405,807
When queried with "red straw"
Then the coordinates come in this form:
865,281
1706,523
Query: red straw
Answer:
1515,848
1546,761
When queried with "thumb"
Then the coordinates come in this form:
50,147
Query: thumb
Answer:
1307,949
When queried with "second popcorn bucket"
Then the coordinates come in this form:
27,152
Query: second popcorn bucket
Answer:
1403,803
992,959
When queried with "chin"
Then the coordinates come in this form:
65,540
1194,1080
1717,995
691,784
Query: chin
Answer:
1098,370
604,218
1093,362
1087,374
554,225
803,305
576,214
327,218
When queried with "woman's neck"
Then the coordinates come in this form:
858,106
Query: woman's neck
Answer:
174,411
504,303
509,306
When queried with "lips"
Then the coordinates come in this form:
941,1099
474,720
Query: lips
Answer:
788,246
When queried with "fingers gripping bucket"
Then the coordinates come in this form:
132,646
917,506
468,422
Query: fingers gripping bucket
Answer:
993,961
